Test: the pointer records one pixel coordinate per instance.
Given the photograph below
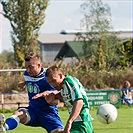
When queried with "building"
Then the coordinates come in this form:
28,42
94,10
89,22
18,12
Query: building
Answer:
50,44
63,45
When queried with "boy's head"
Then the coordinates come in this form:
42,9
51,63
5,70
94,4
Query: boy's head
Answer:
32,64
55,77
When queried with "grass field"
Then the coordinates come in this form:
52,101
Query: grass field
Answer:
123,123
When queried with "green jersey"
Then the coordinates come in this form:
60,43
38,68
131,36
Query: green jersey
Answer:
73,90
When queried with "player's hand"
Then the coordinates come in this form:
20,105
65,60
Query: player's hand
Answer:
50,97
67,127
21,84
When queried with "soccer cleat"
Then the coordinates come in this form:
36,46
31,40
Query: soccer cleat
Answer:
2,121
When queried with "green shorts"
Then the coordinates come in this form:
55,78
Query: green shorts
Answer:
81,127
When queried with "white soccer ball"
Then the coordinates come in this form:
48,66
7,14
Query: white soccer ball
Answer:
107,113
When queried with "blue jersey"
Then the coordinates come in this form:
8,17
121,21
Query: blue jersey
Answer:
37,85
41,113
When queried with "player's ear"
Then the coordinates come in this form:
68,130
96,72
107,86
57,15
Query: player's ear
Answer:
39,65
61,75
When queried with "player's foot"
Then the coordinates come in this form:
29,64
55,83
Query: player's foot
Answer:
2,120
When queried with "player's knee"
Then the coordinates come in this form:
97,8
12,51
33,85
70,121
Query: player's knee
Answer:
23,114
19,113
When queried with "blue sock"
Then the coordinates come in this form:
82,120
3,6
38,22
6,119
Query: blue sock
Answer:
12,122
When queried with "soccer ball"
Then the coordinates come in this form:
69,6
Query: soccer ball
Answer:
106,113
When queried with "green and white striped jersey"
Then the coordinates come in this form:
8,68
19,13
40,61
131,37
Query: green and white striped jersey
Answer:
72,90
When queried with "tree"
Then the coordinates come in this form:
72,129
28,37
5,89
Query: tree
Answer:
126,53
97,17
26,18
6,60
97,25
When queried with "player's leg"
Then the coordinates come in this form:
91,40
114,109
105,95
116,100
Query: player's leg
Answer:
50,120
2,120
53,124
13,121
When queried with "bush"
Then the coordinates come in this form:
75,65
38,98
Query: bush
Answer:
90,77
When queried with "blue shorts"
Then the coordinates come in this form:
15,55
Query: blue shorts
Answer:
45,118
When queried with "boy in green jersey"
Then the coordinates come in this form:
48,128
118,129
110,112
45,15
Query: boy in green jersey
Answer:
72,93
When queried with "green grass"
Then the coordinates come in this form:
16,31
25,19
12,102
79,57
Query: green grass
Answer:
123,123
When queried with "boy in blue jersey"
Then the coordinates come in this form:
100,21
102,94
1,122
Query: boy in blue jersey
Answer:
39,113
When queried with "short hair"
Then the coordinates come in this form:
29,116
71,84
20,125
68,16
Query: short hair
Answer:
31,55
51,70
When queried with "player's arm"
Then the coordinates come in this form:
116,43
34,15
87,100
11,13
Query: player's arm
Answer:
52,99
78,104
21,84
45,93
49,97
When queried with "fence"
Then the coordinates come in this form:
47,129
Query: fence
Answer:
96,97
13,100
9,79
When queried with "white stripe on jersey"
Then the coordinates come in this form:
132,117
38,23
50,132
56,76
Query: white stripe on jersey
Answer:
65,91
32,79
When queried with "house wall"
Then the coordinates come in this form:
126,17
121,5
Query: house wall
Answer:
49,51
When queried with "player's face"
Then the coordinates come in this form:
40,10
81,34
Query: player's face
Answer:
55,80
33,68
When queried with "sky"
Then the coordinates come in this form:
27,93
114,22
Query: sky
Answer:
66,15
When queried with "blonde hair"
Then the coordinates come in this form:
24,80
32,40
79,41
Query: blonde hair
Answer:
126,84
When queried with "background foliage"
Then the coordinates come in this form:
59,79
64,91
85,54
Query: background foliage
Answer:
26,17
84,69
106,61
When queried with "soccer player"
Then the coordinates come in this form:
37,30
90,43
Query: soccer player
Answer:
39,112
72,93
